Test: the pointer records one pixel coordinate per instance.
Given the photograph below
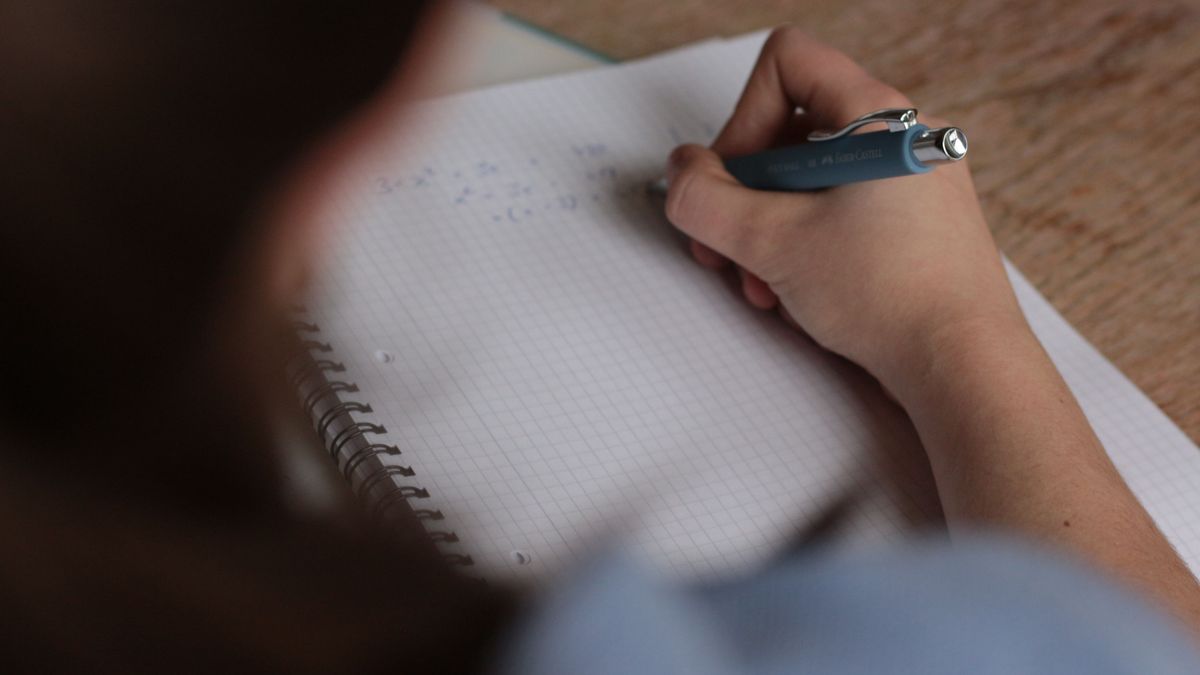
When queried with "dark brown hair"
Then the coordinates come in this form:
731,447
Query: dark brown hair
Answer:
139,499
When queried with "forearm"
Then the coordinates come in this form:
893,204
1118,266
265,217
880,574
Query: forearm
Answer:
873,272
1011,449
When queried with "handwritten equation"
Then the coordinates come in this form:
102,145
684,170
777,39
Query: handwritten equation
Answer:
515,191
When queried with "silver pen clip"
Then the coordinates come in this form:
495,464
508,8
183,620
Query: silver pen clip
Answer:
896,119
947,144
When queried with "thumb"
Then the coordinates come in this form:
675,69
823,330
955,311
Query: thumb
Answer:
712,207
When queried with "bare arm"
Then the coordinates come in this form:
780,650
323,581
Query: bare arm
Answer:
1010,449
902,276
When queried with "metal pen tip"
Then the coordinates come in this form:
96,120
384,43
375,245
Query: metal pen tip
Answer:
657,188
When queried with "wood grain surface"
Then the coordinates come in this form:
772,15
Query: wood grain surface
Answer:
1084,119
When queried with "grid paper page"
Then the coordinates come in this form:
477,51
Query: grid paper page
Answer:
561,375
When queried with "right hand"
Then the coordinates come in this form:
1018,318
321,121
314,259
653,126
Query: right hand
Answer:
881,272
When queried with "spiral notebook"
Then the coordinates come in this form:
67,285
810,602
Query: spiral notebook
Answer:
511,345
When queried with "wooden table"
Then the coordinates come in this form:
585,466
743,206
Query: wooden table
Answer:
1085,139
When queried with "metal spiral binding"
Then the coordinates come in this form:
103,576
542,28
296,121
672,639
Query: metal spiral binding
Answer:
387,472
359,456
351,432
338,424
314,346
324,389
383,506
312,367
331,414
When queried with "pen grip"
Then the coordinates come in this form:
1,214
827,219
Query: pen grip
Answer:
820,164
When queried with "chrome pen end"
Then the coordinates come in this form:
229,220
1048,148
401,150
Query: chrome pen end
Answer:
948,144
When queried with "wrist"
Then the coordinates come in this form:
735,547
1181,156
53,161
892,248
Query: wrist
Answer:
936,360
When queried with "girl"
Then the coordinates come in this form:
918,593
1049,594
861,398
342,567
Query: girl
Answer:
158,164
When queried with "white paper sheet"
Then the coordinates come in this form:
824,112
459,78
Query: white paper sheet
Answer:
564,376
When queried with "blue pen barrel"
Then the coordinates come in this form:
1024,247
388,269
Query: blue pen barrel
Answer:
820,164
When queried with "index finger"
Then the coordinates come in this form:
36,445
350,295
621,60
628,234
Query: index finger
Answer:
796,71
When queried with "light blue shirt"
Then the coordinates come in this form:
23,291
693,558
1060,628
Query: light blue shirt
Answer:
984,606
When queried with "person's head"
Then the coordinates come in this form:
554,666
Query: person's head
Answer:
156,163
152,156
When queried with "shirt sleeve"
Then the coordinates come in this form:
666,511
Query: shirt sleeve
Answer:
981,606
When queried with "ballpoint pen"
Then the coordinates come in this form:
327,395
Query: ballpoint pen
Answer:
838,157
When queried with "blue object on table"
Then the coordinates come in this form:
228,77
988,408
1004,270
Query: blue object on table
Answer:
839,157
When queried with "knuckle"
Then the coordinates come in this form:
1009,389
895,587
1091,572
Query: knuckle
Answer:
685,155
680,198
781,37
886,96
866,96
753,235
759,238
795,47
697,206
934,121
